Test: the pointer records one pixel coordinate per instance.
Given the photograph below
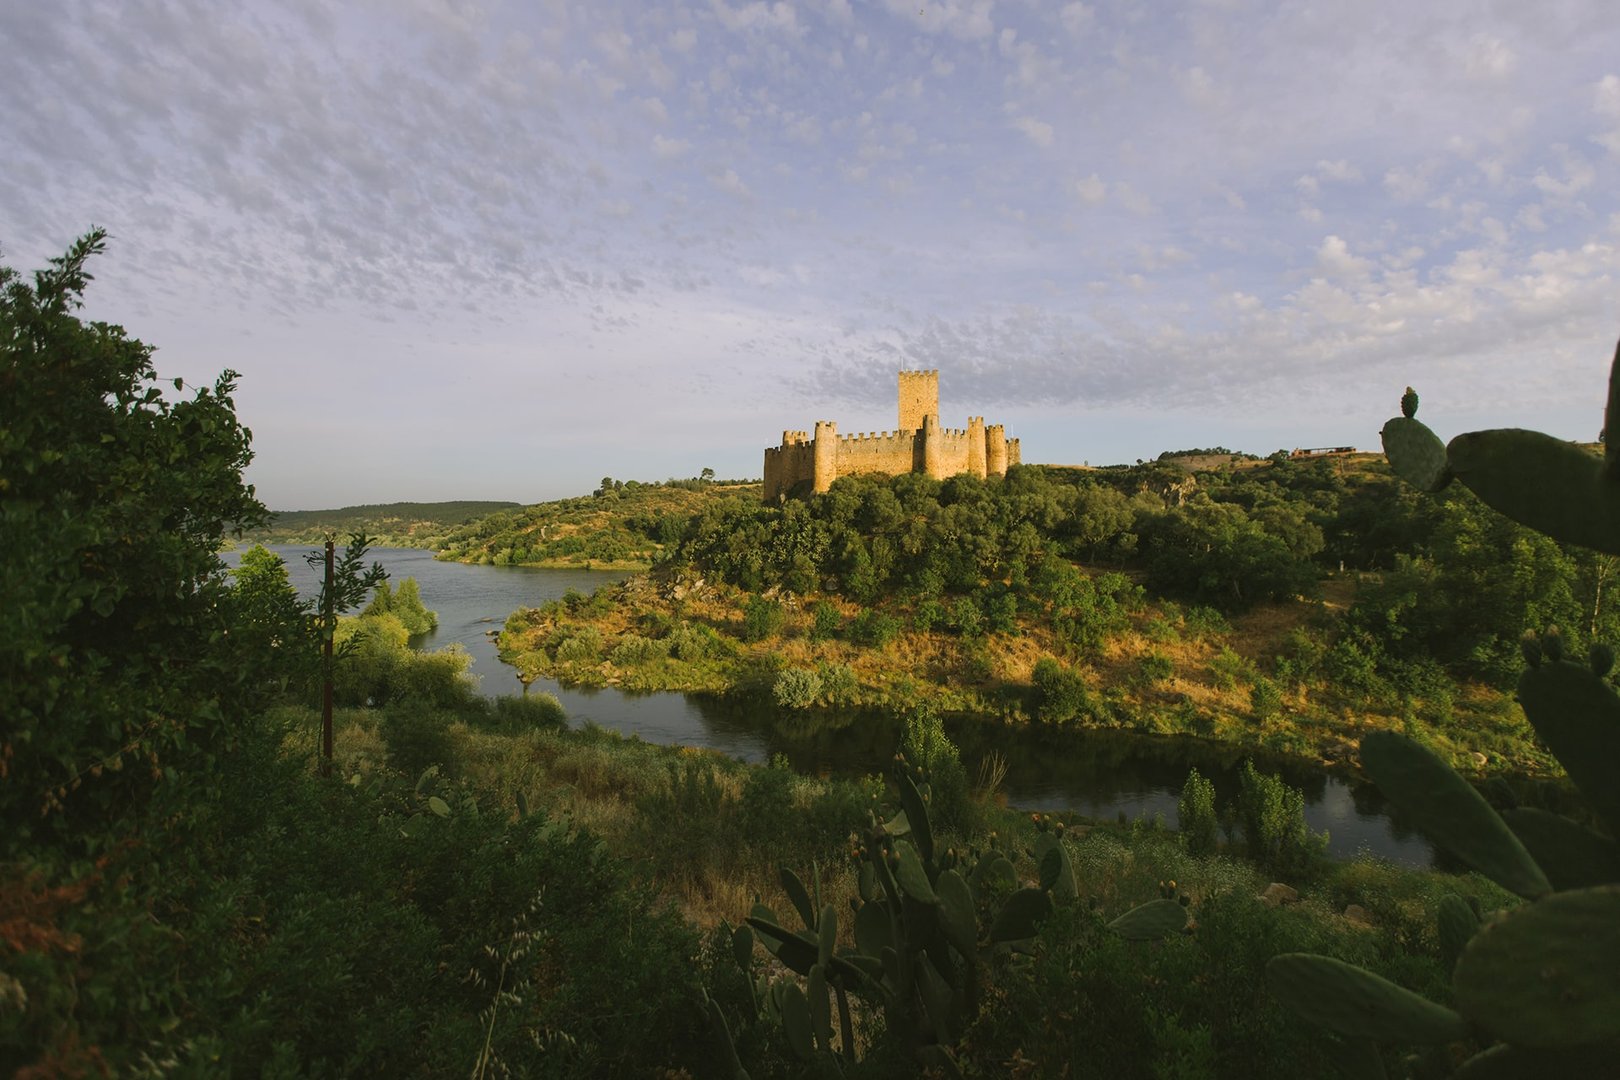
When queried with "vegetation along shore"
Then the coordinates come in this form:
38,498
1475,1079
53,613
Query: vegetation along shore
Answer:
194,881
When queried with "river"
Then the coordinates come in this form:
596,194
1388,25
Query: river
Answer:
1098,774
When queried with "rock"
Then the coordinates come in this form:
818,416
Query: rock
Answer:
1359,915
1277,894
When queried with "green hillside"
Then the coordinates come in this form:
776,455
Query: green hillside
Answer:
401,524
623,526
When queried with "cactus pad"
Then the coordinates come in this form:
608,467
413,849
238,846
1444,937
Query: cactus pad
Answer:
1547,974
912,875
1457,924
1150,921
799,895
1573,856
1346,999
1553,486
1018,917
1450,811
1416,454
956,912
1577,715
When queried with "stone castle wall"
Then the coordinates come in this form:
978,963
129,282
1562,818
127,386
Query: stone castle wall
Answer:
919,445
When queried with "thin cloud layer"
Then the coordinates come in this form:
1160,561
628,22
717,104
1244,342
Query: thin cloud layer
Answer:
504,249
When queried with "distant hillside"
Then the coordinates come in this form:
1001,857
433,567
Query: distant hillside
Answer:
403,524
622,528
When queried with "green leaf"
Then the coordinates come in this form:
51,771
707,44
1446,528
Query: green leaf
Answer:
438,806
1448,809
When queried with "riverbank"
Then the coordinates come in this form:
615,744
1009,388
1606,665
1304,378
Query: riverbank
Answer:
1255,681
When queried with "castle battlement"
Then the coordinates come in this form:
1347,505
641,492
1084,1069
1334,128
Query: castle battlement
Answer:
919,444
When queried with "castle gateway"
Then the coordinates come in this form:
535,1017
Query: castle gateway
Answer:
920,445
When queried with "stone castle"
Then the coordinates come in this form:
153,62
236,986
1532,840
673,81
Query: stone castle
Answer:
920,445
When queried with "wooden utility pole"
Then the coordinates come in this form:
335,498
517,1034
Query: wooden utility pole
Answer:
327,633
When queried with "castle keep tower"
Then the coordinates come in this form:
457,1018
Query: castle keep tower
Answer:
919,397
919,445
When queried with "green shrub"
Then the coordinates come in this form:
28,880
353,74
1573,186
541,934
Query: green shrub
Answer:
1000,607
762,619
1229,668
838,684
796,688
1274,828
1265,699
1154,668
826,621
926,746
528,712
689,642
1204,623
1196,815
1061,694
930,615
966,618
874,628
633,649
765,812
417,736
583,645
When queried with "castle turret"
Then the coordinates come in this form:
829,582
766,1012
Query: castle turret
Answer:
995,438
919,397
933,441
977,450
825,470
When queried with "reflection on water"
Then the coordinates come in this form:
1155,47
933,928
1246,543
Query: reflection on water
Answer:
1098,773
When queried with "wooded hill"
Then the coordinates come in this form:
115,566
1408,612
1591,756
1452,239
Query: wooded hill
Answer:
1288,605
401,524
625,525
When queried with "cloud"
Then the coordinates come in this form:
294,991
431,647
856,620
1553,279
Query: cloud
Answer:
1340,171
1090,190
1077,18
1488,57
966,20
776,16
667,149
728,181
1038,132
1333,258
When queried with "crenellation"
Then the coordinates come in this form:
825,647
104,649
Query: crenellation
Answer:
919,444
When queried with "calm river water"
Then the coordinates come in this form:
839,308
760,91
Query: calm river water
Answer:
1099,774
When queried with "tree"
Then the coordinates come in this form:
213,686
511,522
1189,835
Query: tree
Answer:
117,674
707,475
269,624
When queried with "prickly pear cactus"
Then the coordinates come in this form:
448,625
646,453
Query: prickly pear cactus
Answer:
925,921
1537,988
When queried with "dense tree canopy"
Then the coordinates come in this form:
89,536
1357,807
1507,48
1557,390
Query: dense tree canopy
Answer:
115,492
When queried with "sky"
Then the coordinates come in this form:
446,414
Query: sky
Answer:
474,249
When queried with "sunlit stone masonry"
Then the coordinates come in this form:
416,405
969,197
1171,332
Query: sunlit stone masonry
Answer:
919,445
